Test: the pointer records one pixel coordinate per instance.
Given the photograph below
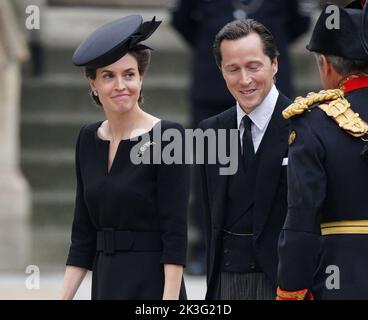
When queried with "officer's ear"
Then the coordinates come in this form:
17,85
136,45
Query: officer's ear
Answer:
322,60
274,66
329,76
324,65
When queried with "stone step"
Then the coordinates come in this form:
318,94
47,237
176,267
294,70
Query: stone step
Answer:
55,207
49,136
163,63
63,93
53,135
48,124
67,27
49,171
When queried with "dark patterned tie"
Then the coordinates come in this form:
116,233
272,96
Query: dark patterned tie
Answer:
248,147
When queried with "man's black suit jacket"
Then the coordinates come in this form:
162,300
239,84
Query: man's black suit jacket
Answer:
270,205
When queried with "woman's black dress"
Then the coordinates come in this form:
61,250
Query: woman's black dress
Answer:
131,220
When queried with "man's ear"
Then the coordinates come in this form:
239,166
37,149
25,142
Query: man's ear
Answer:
325,66
274,66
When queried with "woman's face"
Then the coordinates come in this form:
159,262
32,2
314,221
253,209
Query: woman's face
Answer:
118,85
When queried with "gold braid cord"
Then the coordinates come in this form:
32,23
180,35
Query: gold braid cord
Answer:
338,108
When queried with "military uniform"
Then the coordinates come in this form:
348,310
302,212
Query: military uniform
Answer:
323,244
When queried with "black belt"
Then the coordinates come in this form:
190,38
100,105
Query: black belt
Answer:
110,240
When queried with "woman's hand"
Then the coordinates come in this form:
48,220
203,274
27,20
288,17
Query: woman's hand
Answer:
173,279
72,279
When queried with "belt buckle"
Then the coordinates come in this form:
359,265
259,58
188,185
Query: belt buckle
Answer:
109,240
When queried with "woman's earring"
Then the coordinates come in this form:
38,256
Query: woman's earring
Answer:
95,93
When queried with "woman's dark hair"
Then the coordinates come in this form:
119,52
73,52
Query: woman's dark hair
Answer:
143,58
241,28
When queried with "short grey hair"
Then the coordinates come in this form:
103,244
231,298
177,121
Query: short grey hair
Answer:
344,66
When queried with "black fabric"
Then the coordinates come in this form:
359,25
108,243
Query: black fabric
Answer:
327,182
270,203
110,241
364,29
248,147
348,40
129,197
198,21
245,286
240,200
238,254
113,40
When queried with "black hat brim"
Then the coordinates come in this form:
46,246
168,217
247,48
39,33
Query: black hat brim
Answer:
113,40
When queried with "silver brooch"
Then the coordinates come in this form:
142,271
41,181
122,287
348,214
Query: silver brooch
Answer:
144,147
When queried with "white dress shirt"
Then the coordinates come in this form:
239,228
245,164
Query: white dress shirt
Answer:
260,117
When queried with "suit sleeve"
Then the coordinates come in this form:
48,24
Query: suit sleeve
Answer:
183,19
173,195
298,18
83,238
205,204
299,242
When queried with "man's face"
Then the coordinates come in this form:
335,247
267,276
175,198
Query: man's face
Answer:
247,71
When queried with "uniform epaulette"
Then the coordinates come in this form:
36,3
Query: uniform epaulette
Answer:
335,106
302,104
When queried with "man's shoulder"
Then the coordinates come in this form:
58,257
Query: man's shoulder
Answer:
302,106
316,108
283,101
213,122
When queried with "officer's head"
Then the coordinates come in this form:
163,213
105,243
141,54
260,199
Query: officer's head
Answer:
246,53
115,62
340,42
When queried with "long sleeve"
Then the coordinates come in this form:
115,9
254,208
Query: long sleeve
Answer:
173,195
83,238
205,201
299,14
299,242
183,20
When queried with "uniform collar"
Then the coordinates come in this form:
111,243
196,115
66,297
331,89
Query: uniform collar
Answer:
353,82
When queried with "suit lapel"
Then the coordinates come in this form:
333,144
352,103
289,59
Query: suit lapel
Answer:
226,121
274,148
243,183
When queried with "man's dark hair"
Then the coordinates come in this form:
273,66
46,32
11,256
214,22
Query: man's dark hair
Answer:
241,28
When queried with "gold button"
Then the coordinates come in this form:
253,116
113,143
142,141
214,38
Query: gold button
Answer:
292,137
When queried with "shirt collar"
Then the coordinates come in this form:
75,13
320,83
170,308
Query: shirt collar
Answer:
261,115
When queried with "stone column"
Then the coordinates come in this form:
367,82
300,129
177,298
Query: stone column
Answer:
14,189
